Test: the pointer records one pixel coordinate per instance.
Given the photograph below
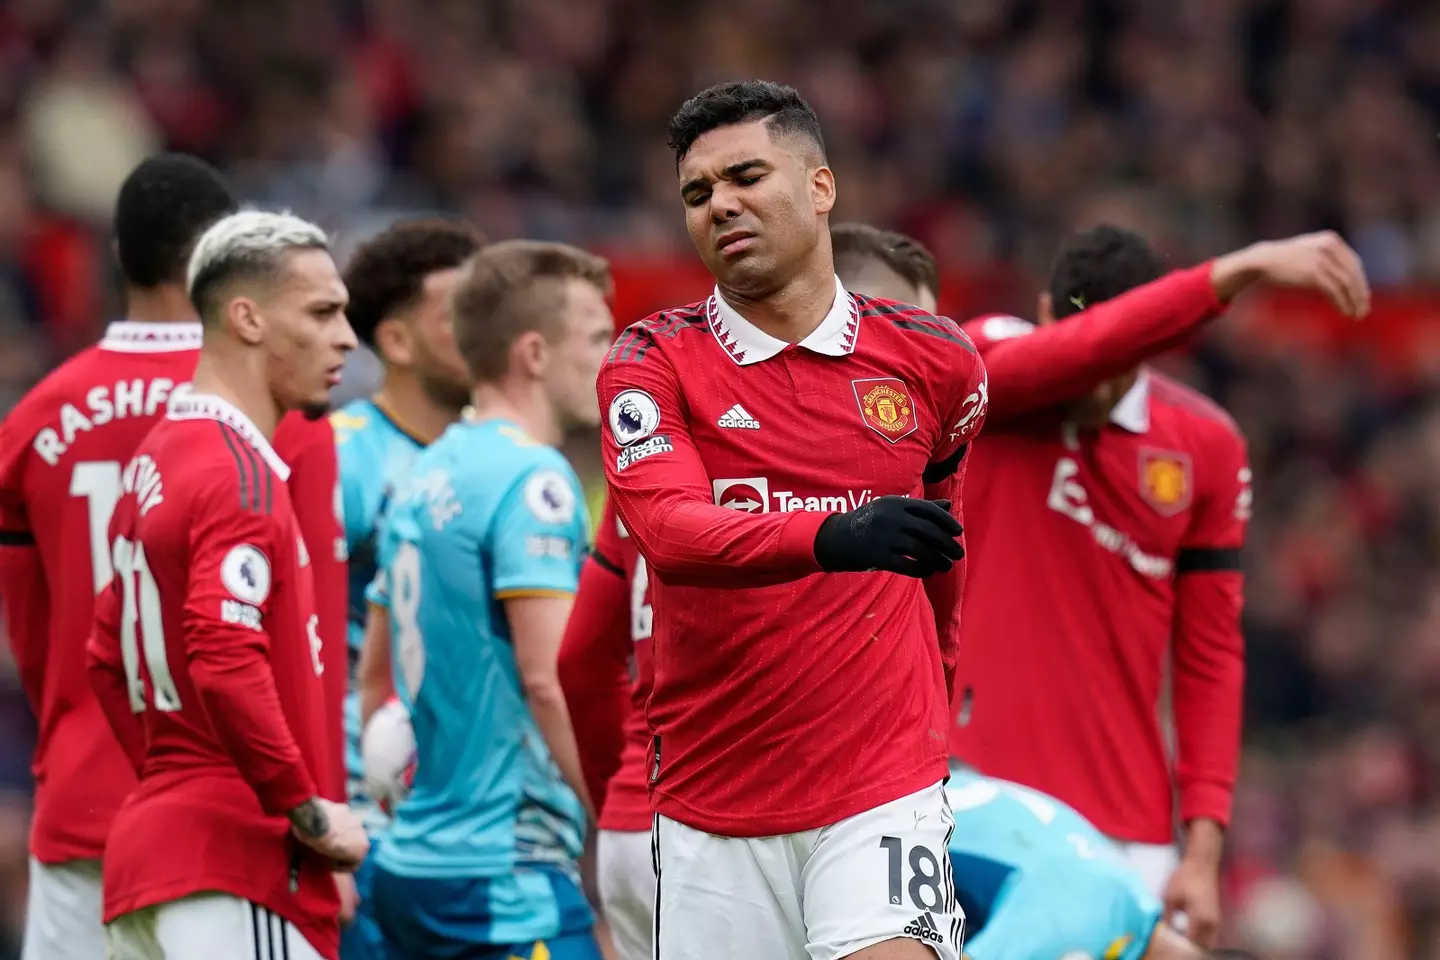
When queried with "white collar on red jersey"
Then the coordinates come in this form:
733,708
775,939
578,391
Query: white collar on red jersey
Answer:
130,336
747,343
1132,413
205,406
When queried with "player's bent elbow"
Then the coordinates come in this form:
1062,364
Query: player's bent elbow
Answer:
542,686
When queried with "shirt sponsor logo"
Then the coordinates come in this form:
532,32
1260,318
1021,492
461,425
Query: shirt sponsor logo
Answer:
747,494
1165,480
738,418
549,497
885,406
660,443
1068,497
634,415
753,495
245,571
542,546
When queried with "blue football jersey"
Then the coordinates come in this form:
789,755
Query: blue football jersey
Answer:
487,514
373,455
1037,881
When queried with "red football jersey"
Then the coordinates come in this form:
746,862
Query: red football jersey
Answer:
62,450
786,700
308,447
607,669
207,660
1092,557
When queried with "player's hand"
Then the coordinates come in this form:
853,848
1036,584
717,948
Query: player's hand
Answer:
903,535
1194,890
331,830
349,897
1312,261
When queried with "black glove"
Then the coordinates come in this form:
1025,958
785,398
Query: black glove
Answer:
899,534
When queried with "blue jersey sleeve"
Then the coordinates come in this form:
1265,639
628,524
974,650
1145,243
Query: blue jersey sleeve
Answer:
540,532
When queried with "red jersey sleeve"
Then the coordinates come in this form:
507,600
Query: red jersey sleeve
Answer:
662,492
24,596
308,446
231,550
1036,367
595,659
1209,654
945,480
120,704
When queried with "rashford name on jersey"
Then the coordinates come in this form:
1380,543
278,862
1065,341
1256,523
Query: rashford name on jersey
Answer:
62,452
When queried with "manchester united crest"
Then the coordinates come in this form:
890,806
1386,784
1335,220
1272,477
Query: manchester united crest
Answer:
1165,480
885,406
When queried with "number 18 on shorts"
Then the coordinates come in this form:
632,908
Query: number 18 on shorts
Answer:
819,895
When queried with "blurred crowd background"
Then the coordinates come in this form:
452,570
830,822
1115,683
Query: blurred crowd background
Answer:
988,128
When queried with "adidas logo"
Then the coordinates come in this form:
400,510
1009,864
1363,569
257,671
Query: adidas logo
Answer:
738,418
924,928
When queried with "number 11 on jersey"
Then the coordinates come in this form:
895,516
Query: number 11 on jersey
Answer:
140,613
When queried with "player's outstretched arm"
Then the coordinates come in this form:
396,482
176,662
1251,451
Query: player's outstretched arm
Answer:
594,663
108,679
1036,367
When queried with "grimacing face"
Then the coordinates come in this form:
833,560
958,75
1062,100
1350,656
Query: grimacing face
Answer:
574,357
437,361
306,334
754,204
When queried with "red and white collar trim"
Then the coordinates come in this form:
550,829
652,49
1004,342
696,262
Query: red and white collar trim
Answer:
747,343
205,406
1132,413
129,336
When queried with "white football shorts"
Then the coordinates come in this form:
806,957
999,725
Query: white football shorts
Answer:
819,895
625,864
63,915
1155,862
207,926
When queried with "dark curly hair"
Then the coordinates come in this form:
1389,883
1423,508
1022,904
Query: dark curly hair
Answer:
859,244
1100,264
781,107
163,207
386,273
